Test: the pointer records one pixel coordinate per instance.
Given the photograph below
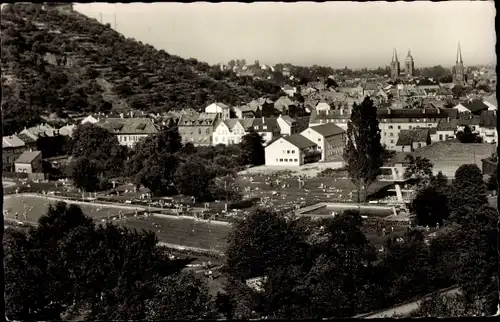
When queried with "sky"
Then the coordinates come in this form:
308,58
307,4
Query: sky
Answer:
335,34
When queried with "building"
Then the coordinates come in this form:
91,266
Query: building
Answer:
488,127
395,66
322,106
409,66
475,107
222,110
339,117
490,164
197,128
128,130
292,150
289,90
29,162
392,121
330,140
459,71
230,131
287,125
12,147
267,127
245,111
90,119
446,130
410,140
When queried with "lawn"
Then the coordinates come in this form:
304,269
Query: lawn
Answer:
35,207
287,191
185,232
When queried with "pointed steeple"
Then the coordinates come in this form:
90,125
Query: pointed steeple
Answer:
459,54
395,56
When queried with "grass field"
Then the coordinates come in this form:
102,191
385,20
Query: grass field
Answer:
36,207
287,191
185,232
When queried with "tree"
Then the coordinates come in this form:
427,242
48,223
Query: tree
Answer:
363,152
154,161
492,181
455,305
85,174
430,206
263,240
252,149
192,178
174,292
226,188
468,190
467,136
418,168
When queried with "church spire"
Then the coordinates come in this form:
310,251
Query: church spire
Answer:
395,56
459,54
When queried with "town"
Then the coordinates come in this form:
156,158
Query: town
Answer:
141,185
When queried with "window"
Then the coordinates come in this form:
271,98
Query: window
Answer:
208,131
295,160
319,140
390,127
392,141
399,127
293,151
288,151
125,138
391,134
281,160
199,131
440,137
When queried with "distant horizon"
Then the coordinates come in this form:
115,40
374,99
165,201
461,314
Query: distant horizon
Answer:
288,32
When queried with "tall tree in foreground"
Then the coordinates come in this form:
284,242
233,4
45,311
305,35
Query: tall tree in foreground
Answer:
252,149
363,151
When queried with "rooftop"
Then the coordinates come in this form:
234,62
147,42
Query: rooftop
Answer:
407,137
128,125
27,157
299,141
328,129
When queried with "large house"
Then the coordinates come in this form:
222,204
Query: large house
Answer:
410,140
245,111
292,150
230,131
488,126
197,128
392,121
129,130
330,140
446,130
29,162
474,107
338,117
267,127
12,147
222,110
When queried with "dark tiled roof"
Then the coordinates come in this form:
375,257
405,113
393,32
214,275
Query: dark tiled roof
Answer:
27,139
328,129
299,141
475,106
270,123
27,157
325,115
288,119
407,137
128,125
445,125
474,120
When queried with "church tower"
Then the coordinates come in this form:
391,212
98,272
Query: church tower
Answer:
409,65
459,75
395,67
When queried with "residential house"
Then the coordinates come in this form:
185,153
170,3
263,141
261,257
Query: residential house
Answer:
323,106
289,126
283,103
12,148
129,130
222,110
445,130
392,121
90,119
474,107
330,139
488,126
67,130
267,127
410,140
470,120
245,111
289,90
230,131
29,162
197,128
339,117
369,88
292,150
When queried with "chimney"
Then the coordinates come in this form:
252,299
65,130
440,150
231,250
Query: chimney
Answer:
263,119
121,115
131,114
423,110
341,111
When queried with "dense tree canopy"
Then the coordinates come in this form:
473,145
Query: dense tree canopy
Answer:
252,149
467,136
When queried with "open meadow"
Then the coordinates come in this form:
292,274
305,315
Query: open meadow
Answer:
35,206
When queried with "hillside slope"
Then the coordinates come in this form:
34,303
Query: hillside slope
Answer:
53,61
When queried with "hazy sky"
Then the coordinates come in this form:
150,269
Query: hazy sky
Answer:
307,33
